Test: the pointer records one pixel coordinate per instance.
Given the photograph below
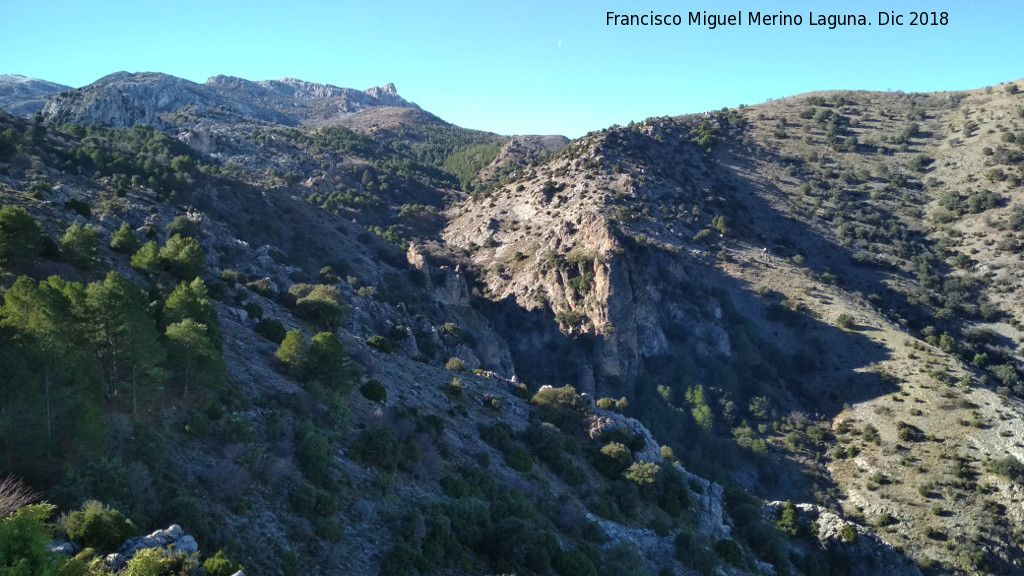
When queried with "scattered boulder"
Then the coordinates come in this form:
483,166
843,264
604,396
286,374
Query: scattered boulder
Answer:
173,539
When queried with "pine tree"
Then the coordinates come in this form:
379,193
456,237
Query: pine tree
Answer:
125,337
294,353
193,354
183,257
189,300
21,237
147,258
329,364
123,240
52,381
79,245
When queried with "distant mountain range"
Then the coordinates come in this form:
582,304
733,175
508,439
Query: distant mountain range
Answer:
124,99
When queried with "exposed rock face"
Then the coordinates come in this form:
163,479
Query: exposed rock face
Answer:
553,248
63,548
125,99
173,539
26,96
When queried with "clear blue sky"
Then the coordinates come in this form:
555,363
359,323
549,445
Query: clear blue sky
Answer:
525,66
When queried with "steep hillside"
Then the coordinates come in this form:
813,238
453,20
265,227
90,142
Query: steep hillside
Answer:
328,332
814,266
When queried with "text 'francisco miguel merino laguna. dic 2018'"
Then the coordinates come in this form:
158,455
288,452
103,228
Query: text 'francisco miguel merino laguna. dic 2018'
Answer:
831,21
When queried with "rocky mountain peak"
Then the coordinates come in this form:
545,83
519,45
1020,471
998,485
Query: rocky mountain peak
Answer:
125,99
387,95
25,96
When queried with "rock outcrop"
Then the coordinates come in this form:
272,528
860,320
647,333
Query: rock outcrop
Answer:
173,539
869,555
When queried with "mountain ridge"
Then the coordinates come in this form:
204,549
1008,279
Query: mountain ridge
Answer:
814,299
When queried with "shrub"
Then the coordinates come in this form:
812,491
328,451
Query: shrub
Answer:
315,457
311,501
612,404
379,447
379,343
643,474
98,526
271,329
574,563
451,330
454,389
845,321
499,435
374,391
519,459
219,565
613,459
158,562
455,364
1008,466
232,277
561,406
848,534
320,304
23,539
184,226
730,551
294,352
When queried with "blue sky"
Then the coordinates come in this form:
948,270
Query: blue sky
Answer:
520,67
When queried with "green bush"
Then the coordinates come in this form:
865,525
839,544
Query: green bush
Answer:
452,331
379,343
23,539
455,364
574,563
374,391
561,407
319,304
294,352
379,447
271,329
219,565
730,551
98,526
159,562
311,501
184,226
613,459
848,534
613,404
455,389
315,457
1008,466
499,435
519,459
